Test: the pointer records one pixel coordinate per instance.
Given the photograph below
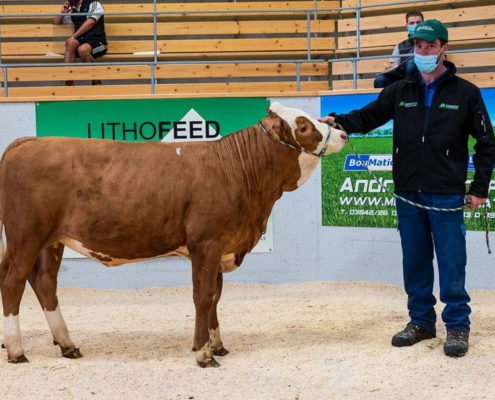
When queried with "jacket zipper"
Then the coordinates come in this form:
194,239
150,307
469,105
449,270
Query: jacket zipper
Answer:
425,124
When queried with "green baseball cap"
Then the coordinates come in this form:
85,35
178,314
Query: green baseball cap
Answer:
431,30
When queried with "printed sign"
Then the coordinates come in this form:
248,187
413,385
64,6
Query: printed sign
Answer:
167,120
352,197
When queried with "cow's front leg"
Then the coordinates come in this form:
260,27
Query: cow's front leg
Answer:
213,325
205,267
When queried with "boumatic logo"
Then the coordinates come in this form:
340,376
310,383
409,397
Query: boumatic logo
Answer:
448,106
374,162
408,104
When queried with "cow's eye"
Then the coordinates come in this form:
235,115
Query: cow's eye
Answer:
303,129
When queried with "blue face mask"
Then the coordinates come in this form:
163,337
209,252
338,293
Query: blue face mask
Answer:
411,29
427,64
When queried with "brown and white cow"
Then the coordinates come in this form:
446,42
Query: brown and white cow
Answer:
118,202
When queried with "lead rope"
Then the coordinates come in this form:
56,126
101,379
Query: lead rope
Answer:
417,204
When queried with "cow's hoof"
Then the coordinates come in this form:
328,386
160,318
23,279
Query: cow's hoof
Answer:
19,360
194,348
72,353
55,343
221,352
3,346
211,363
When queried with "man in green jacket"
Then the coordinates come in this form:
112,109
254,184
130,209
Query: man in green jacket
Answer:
434,112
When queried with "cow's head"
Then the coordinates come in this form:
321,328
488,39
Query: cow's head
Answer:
307,132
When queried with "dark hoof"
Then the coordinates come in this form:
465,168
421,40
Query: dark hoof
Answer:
3,346
72,353
211,363
221,352
194,348
55,343
19,360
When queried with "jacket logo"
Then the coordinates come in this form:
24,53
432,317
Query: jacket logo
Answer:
449,106
407,105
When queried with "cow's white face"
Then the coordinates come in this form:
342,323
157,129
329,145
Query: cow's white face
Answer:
293,117
311,135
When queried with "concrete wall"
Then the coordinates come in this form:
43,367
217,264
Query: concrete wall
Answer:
304,250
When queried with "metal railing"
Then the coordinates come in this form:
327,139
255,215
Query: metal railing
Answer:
155,14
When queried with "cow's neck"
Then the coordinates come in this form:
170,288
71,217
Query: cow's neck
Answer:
255,163
260,165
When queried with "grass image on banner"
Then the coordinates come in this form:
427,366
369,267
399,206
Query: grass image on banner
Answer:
354,198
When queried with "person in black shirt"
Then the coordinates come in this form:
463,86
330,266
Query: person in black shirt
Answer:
89,40
399,66
434,112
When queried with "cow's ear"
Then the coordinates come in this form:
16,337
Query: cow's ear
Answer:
277,126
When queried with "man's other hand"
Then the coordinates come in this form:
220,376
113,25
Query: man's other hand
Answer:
474,202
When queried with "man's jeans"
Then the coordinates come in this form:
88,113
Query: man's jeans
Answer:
422,232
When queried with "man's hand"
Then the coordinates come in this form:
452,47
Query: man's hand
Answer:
474,202
328,120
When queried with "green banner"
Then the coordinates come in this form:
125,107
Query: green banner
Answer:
149,120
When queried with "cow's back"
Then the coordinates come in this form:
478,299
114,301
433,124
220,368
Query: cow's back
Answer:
131,198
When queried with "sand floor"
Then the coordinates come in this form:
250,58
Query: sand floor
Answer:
321,340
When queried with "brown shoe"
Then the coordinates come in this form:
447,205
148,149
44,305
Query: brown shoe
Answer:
412,334
96,82
457,343
69,83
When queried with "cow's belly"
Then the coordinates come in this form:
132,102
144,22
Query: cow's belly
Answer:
227,263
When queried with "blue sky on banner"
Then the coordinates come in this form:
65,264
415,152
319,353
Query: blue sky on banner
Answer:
342,104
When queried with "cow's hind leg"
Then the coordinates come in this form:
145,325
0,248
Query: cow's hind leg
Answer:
14,272
213,325
43,280
205,268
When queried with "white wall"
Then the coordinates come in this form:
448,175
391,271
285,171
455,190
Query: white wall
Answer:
304,250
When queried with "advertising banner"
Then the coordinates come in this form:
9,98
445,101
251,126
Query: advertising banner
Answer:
167,120
351,196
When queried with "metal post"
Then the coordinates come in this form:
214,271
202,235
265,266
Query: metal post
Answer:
155,33
0,42
152,77
358,29
5,82
354,74
298,76
308,34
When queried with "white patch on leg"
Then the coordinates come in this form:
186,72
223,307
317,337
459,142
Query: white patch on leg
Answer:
12,336
205,353
177,150
58,328
215,339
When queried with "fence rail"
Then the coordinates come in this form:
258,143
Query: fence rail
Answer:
309,13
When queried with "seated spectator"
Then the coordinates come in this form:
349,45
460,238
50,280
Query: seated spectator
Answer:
89,40
397,68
